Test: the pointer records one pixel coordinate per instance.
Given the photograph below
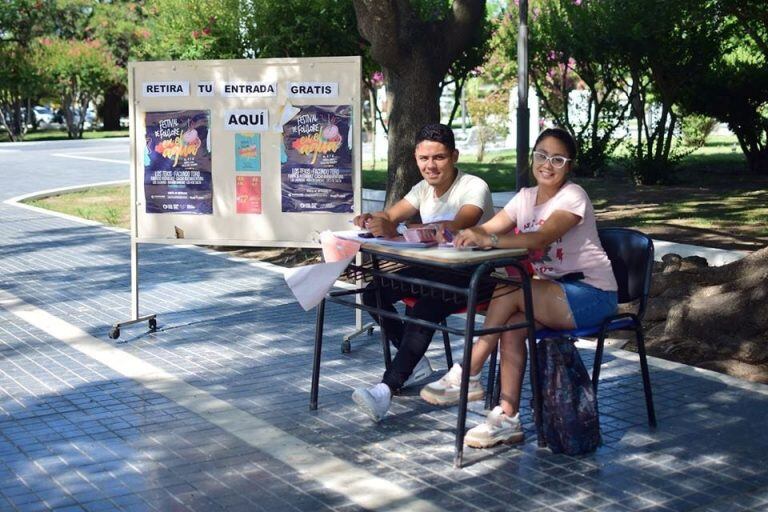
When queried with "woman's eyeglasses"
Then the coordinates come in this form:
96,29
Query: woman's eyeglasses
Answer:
557,161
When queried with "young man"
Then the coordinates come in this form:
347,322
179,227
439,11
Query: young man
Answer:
454,200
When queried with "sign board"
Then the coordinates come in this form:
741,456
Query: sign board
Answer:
244,152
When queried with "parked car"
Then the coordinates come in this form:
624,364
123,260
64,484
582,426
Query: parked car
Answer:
43,117
90,118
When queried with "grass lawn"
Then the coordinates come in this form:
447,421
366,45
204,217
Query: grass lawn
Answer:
498,170
108,205
62,135
711,191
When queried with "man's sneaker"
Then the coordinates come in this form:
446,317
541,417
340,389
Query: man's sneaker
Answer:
497,428
446,390
422,371
373,401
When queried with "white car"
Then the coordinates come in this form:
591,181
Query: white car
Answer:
43,117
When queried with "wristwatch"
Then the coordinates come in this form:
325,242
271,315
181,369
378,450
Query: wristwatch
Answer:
494,240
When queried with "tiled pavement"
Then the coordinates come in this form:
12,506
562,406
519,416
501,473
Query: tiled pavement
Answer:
210,412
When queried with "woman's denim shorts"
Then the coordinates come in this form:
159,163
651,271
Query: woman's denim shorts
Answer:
589,305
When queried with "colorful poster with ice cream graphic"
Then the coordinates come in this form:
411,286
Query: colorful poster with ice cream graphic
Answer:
316,160
177,163
247,152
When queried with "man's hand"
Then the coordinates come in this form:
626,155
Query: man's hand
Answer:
361,220
380,226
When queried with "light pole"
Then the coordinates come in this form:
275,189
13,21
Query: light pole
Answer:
523,115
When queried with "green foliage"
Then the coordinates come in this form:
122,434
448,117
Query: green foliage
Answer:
230,29
300,28
489,116
499,66
76,72
71,18
647,169
21,21
183,30
121,25
696,128
734,85
665,46
18,78
572,59
469,63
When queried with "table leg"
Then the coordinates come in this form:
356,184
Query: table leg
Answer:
384,339
469,334
316,358
532,350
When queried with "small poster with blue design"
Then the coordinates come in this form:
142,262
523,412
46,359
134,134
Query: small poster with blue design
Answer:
247,152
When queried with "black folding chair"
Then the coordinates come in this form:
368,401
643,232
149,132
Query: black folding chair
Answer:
631,255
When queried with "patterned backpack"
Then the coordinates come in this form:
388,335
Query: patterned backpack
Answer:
569,409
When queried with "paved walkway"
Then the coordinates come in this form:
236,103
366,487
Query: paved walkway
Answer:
211,412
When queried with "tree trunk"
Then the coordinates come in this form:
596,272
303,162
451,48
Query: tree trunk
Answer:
415,55
17,127
758,161
113,98
750,140
415,103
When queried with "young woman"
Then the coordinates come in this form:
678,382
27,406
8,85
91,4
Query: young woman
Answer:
575,285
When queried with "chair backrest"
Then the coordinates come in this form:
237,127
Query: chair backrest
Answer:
631,255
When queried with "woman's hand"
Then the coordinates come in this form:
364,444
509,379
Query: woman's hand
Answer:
472,237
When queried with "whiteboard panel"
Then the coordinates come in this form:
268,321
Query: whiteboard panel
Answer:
246,102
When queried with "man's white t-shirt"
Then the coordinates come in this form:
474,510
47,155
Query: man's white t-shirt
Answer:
579,249
465,189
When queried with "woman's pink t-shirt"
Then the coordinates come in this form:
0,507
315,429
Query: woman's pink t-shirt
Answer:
579,250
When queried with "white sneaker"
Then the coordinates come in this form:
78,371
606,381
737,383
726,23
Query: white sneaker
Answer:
373,401
446,390
497,428
422,370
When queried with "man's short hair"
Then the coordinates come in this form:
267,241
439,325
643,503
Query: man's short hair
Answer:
437,133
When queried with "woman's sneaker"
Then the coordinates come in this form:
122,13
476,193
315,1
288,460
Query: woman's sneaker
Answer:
446,390
422,370
497,428
373,401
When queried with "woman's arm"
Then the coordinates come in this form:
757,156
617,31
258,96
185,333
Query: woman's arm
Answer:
557,225
499,223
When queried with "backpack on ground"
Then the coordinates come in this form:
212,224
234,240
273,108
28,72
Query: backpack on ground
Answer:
569,408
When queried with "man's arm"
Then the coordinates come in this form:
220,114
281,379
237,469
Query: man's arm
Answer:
469,215
385,223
